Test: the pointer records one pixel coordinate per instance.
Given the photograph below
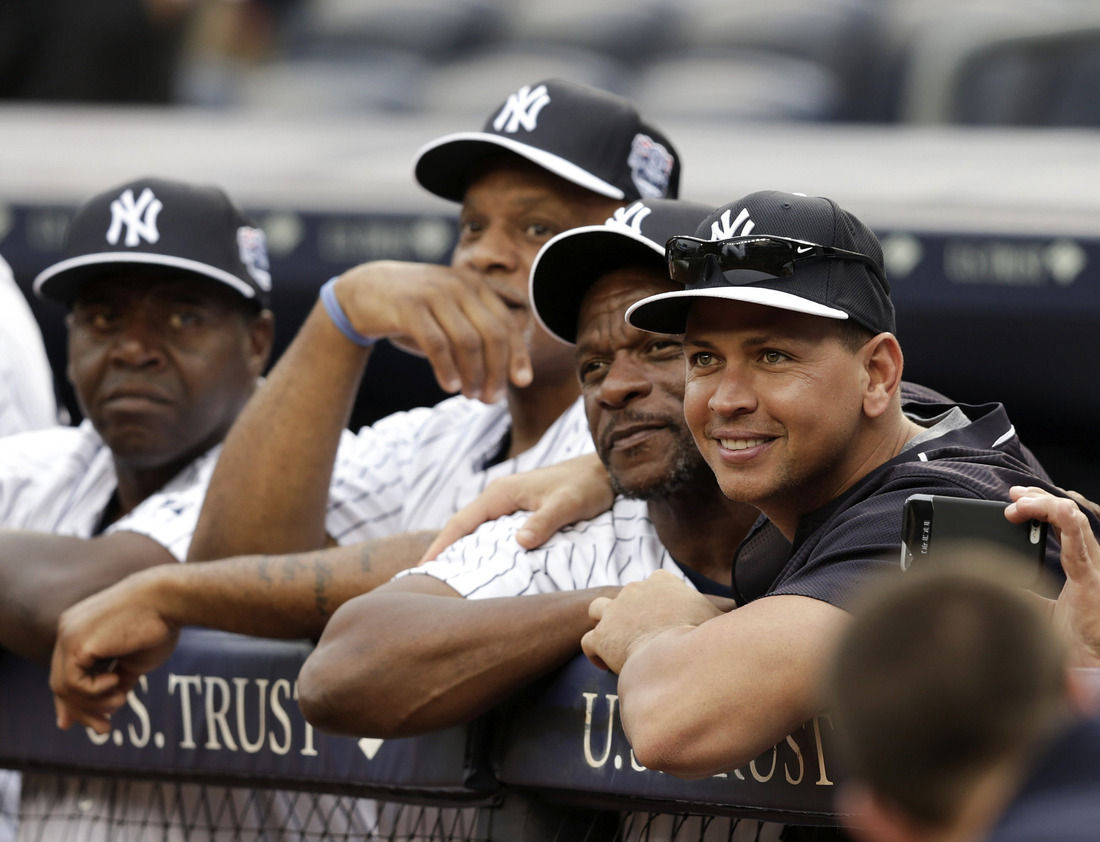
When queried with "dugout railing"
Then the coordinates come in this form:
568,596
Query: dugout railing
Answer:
551,763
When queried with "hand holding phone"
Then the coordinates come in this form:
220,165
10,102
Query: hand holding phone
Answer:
932,523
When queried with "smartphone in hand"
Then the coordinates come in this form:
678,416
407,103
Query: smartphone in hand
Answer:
933,523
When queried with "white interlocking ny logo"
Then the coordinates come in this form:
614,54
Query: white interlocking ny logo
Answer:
140,218
723,229
522,110
629,218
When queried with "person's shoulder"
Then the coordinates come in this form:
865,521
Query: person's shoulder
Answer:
58,441
625,520
628,516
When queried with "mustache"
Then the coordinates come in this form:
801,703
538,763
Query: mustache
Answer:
632,418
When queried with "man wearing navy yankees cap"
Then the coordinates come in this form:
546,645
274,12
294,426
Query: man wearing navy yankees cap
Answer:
166,285
792,394
553,156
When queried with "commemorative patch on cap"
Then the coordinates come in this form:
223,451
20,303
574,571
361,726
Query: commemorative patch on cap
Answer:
651,166
253,252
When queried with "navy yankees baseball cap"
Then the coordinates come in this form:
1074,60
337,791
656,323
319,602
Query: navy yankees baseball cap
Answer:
585,135
570,263
157,222
784,250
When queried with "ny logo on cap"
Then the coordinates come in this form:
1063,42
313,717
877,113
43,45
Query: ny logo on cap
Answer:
140,218
522,110
723,229
629,218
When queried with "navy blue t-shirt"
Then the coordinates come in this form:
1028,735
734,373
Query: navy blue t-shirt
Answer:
839,546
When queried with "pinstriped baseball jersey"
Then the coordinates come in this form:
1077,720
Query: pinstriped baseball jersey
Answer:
60,480
617,547
414,469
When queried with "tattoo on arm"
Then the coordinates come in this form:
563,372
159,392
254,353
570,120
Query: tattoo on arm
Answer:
322,575
262,570
365,557
292,566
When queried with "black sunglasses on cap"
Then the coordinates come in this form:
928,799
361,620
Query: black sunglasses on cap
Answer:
774,256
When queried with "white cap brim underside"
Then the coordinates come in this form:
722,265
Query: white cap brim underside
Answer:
547,160
145,258
751,295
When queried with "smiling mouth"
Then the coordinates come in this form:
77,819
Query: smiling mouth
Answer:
742,444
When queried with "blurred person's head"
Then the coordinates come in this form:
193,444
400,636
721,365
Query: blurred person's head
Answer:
943,687
553,156
632,381
167,285
793,369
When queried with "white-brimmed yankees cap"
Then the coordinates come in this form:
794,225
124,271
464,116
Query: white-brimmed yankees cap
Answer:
587,136
158,222
784,250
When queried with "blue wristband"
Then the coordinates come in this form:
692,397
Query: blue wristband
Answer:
340,318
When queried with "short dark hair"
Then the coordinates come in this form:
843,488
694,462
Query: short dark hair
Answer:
942,675
852,334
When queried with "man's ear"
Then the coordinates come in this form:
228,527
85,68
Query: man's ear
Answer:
870,819
261,338
882,363
70,320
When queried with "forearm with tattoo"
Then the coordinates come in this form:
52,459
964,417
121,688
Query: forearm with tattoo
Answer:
281,596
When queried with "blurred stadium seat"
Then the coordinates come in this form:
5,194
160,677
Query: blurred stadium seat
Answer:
833,34
994,63
631,31
737,86
467,88
377,80
1037,79
433,28
976,62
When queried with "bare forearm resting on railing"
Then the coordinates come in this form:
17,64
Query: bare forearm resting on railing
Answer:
414,656
700,700
41,575
285,596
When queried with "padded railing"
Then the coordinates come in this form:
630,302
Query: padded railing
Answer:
222,711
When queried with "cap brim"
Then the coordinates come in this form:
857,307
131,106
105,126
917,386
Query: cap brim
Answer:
444,166
61,281
567,266
667,312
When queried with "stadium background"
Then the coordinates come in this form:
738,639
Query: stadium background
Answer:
965,132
